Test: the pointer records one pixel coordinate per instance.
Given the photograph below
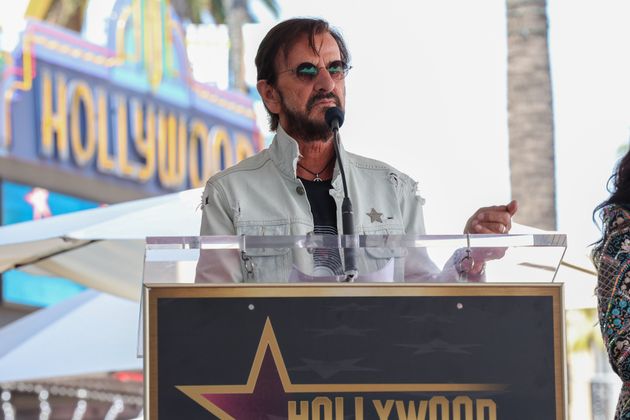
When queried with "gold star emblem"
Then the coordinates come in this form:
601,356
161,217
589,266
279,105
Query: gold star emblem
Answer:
375,216
269,387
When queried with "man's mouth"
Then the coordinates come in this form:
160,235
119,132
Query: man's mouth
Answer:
329,101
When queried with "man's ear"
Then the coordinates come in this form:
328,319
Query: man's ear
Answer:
269,95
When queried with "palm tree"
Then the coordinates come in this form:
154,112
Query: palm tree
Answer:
530,109
67,13
234,14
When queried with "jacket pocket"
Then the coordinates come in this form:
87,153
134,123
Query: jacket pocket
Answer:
375,259
265,265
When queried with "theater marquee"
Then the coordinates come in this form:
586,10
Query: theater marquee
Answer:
126,119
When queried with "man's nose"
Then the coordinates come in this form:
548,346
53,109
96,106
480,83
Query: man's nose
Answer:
324,81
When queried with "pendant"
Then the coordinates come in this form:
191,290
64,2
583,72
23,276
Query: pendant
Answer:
317,178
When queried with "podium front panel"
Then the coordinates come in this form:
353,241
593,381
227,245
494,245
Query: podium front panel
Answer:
362,351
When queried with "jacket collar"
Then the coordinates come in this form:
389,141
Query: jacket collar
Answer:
284,151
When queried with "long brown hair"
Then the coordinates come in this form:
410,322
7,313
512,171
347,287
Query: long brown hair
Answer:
619,187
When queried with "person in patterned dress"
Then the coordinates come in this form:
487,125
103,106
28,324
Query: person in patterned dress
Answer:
611,256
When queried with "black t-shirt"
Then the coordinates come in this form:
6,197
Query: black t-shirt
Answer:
324,209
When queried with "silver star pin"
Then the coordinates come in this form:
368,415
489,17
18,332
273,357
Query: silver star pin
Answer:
375,216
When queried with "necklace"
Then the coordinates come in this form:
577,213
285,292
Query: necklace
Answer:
316,174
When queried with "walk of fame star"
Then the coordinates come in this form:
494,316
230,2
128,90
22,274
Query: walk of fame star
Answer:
375,216
267,391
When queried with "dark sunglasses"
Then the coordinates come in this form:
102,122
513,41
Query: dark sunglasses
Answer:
307,72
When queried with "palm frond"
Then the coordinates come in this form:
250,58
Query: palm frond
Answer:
217,11
272,6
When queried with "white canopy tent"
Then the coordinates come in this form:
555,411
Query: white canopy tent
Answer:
101,248
89,333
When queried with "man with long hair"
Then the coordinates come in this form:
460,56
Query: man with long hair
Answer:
294,187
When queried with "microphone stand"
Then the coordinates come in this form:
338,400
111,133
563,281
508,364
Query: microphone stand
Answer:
347,215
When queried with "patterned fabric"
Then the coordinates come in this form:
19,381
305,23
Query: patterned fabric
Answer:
327,262
613,293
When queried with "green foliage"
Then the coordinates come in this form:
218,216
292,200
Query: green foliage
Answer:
582,330
272,6
67,13
217,11
193,10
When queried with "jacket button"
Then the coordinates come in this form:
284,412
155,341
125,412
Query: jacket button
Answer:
300,190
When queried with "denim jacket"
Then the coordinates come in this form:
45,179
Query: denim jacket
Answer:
262,195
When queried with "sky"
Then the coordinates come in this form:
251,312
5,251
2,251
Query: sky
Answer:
421,72
591,81
427,94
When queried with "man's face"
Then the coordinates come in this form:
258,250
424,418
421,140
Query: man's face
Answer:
302,102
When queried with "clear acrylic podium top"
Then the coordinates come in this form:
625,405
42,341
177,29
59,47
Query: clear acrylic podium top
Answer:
522,258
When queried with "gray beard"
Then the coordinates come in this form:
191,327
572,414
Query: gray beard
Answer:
300,127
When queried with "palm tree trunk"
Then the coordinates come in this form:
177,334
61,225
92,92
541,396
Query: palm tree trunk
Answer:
530,109
67,13
236,16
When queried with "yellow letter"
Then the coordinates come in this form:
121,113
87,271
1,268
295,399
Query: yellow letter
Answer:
492,410
123,145
104,162
339,408
244,148
171,150
221,149
144,139
320,403
411,410
383,411
81,94
467,404
433,405
162,133
198,149
303,415
358,408
182,142
54,122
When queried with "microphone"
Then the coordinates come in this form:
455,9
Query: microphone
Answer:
334,120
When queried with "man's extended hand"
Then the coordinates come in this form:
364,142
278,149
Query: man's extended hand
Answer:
494,219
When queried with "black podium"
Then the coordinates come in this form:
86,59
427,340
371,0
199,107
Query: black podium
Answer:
462,347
